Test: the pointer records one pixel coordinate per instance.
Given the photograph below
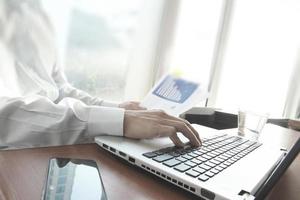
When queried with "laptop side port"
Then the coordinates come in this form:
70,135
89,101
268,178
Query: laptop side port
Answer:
112,149
122,154
105,146
131,159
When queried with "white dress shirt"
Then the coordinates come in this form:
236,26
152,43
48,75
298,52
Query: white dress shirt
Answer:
38,107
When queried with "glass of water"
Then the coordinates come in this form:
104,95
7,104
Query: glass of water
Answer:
250,124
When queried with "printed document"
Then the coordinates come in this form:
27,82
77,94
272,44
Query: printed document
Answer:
175,95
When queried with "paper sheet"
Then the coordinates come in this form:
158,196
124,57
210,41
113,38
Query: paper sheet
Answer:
175,95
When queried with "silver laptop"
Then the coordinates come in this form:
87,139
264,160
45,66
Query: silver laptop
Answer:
226,166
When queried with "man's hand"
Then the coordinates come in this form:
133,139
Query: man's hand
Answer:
146,124
131,105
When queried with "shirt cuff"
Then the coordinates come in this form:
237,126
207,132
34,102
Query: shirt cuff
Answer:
105,121
110,104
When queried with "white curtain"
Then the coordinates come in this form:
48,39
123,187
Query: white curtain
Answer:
292,106
142,59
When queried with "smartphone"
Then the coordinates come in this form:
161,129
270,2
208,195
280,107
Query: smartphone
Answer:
73,179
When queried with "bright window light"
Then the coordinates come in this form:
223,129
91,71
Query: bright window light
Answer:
95,39
195,38
261,53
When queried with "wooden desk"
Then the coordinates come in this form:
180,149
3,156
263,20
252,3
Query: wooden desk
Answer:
23,173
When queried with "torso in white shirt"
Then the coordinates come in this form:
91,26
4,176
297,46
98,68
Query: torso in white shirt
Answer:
27,50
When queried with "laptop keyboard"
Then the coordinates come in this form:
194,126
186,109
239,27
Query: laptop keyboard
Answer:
215,155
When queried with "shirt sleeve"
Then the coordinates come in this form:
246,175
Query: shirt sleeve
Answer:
67,90
35,121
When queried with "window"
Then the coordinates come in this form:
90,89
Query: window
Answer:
95,41
117,49
262,50
104,45
195,37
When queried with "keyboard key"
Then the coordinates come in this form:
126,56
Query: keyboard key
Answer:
238,156
195,148
171,163
223,166
210,164
201,159
197,152
230,161
218,168
257,145
229,154
227,163
174,154
209,174
181,159
214,146
182,167
193,173
205,144
203,151
210,148
200,170
232,139
206,156
215,161
215,171
234,159
203,177
180,151
187,157
213,154
192,154
163,158
158,153
204,166
243,153
223,157
166,150
188,149
234,151
223,149
198,162
150,155
218,151
190,163
231,146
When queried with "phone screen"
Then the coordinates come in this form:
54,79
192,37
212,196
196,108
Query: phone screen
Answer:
73,179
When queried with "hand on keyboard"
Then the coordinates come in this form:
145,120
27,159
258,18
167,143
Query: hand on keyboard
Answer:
146,124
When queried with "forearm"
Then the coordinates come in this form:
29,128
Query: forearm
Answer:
36,121
67,90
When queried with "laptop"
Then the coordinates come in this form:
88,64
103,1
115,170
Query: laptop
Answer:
226,166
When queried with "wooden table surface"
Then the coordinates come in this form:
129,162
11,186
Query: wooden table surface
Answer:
23,173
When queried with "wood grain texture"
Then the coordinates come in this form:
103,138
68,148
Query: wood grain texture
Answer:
23,173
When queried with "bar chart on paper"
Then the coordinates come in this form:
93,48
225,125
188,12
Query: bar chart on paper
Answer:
175,89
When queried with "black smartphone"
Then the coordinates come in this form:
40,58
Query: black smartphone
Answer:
73,179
